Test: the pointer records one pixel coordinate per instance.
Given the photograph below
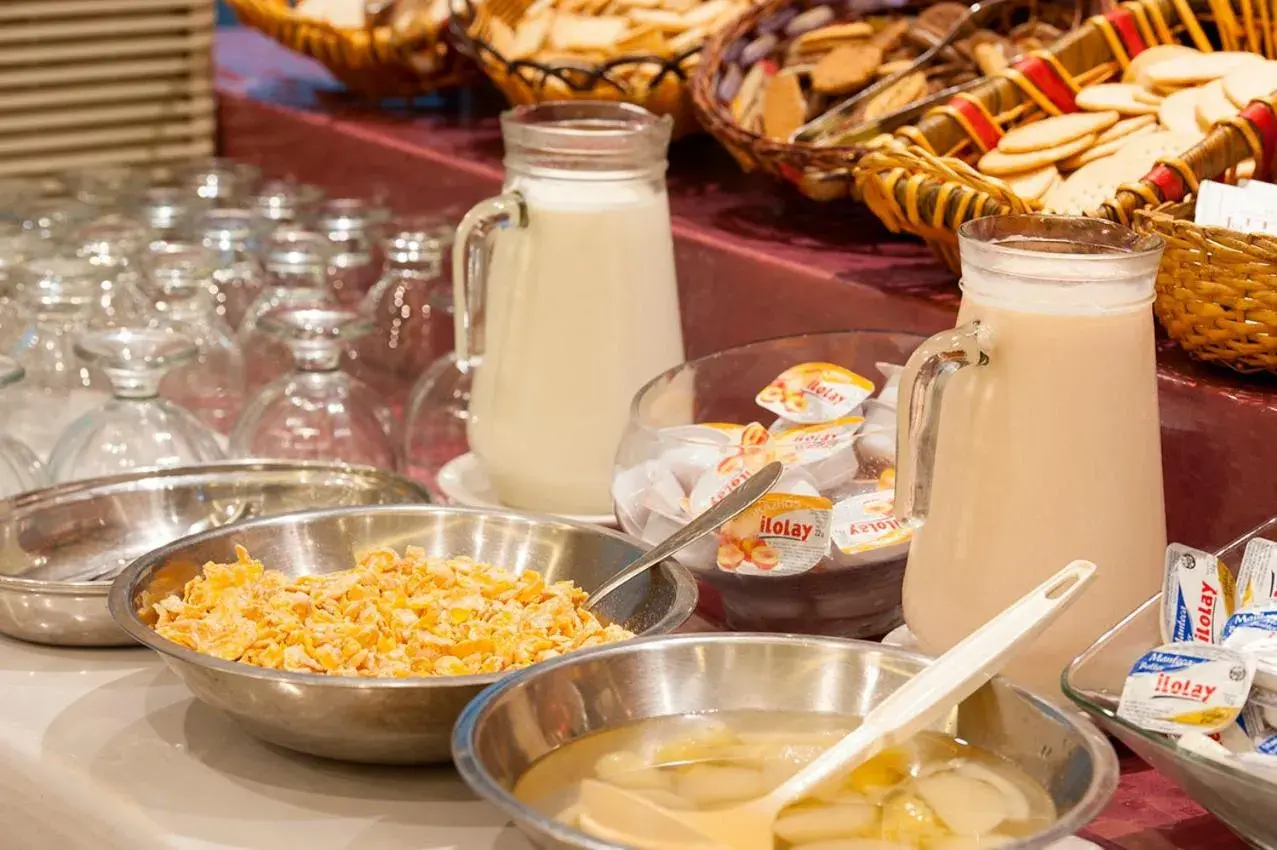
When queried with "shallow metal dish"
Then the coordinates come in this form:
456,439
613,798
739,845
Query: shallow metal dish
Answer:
1243,801
383,721
60,547
531,713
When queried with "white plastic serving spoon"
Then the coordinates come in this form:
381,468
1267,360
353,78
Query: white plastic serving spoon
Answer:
615,814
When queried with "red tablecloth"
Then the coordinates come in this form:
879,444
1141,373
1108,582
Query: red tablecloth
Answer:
797,266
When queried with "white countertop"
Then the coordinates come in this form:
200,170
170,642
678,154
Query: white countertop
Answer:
110,739
118,726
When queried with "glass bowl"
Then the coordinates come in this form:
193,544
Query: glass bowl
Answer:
824,554
1243,801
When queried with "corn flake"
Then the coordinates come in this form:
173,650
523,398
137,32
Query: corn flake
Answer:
389,617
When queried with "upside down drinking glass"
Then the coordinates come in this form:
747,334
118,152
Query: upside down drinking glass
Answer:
316,412
136,429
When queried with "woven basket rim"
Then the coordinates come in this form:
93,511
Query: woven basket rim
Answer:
465,16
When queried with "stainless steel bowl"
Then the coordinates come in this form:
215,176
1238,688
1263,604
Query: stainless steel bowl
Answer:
383,721
1243,801
529,714
60,547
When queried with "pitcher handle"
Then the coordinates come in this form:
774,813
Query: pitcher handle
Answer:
922,386
470,258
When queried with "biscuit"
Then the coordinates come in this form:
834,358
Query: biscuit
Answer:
1052,132
784,107
846,68
1245,84
999,162
1212,105
1202,68
1125,127
1178,113
1116,97
1032,184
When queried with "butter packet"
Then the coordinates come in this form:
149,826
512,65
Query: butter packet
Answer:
812,393
866,529
1251,627
1197,596
1259,720
1180,688
784,534
1257,578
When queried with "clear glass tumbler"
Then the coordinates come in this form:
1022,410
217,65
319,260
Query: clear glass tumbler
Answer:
109,189
171,214
435,422
238,277
60,294
16,250
411,311
136,429
282,202
56,219
219,181
296,276
20,469
354,229
317,412
211,385
115,245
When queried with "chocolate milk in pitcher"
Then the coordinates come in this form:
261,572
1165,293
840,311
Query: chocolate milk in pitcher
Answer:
1029,437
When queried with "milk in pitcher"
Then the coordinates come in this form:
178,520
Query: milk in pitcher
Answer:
578,306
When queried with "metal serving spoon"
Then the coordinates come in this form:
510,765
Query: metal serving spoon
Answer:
735,503
615,814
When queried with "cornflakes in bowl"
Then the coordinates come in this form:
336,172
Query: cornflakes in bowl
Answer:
328,641
388,617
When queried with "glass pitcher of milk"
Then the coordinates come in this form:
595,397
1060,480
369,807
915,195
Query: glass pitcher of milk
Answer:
1029,436
566,301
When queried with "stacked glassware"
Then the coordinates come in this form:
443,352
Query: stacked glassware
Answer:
148,324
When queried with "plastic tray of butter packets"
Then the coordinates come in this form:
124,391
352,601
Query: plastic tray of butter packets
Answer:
1217,771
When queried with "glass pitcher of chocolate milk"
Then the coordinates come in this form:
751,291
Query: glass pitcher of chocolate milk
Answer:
566,302
1029,436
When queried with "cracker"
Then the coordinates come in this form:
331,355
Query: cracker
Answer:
1032,184
999,162
579,32
896,96
846,69
1136,72
784,107
1125,127
1052,132
1101,150
500,37
1115,97
749,93
833,35
1178,113
529,36
1146,96
1202,68
1213,105
1098,181
1245,84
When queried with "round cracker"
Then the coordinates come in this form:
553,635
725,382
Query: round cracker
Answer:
1126,127
1106,149
1202,68
1053,132
1032,184
1000,163
1213,105
1115,97
1097,181
1245,84
1146,96
1134,72
1178,113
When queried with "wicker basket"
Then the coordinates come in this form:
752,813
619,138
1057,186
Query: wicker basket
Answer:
375,61
922,181
659,84
1216,289
822,172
